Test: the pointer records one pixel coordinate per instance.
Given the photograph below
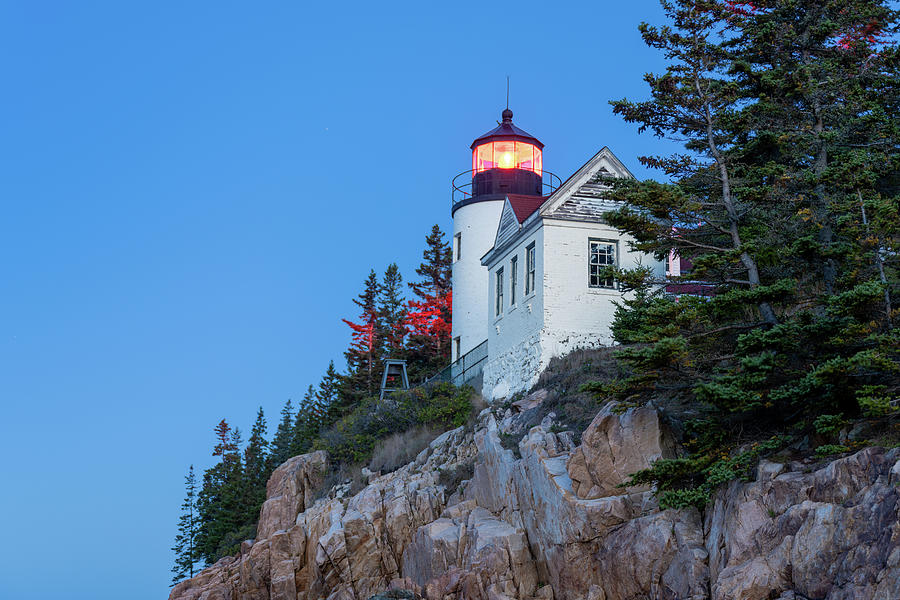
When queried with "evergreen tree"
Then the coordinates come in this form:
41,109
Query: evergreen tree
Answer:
429,316
770,203
391,313
363,362
310,418
282,441
184,548
328,398
219,503
808,68
256,469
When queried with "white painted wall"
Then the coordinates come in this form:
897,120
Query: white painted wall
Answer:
570,304
477,224
518,321
566,313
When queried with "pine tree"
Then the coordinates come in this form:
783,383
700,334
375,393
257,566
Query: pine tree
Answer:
429,317
771,204
808,67
310,417
328,399
219,503
281,446
391,313
185,540
363,362
435,269
256,469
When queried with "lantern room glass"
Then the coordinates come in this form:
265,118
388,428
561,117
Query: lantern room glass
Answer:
507,155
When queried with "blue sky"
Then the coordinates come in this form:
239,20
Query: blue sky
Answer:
191,193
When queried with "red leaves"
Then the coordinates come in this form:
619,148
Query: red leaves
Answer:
745,9
363,334
870,33
430,317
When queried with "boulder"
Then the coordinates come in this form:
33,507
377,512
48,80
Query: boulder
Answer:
613,447
290,491
470,553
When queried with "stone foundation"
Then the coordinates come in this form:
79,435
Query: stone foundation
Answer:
517,369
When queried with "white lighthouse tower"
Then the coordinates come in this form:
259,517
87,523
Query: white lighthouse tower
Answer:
505,161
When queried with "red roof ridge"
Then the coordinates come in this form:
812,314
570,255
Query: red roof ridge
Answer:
524,205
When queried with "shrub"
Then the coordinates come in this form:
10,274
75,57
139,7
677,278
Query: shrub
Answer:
352,440
398,449
829,449
829,424
683,482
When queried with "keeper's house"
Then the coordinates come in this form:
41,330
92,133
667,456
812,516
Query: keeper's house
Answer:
528,254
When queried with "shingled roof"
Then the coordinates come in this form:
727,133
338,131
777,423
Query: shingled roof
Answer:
524,206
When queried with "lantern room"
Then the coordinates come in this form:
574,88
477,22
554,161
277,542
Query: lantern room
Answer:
507,160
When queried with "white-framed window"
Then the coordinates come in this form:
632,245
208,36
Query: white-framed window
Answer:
498,308
456,344
529,269
601,254
458,243
513,279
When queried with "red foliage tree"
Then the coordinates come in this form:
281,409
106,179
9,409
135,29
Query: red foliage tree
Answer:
429,317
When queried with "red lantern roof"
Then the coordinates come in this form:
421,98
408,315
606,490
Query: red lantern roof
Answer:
506,131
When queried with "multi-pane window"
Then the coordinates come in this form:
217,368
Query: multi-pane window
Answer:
498,309
458,237
529,269
513,279
601,254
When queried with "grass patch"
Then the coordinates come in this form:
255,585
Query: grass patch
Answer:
399,449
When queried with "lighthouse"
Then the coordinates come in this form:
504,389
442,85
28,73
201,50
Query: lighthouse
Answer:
506,161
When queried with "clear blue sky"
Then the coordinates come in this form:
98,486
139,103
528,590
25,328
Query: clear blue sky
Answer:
192,194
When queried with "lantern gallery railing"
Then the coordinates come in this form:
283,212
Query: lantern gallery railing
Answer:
462,184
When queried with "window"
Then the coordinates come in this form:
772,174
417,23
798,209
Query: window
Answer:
458,238
513,279
601,254
456,355
498,309
529,269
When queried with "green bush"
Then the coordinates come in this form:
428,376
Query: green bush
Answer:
353,438
683,482
829,449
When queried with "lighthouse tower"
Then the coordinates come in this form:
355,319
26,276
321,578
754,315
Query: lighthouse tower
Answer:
505,160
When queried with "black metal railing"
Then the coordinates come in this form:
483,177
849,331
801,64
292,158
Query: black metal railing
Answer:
462,186
464,369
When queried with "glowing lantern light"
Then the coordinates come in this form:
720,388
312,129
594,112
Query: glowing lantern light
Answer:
507,155
507,160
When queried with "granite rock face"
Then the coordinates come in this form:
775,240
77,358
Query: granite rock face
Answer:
289,492
551,524
613,446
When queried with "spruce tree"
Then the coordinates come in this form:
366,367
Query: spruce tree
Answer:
185,540
281,446
429,315
771,203
363,360
310,418
391,313
256,469
328,398
219,502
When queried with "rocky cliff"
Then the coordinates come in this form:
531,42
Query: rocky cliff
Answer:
550,522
